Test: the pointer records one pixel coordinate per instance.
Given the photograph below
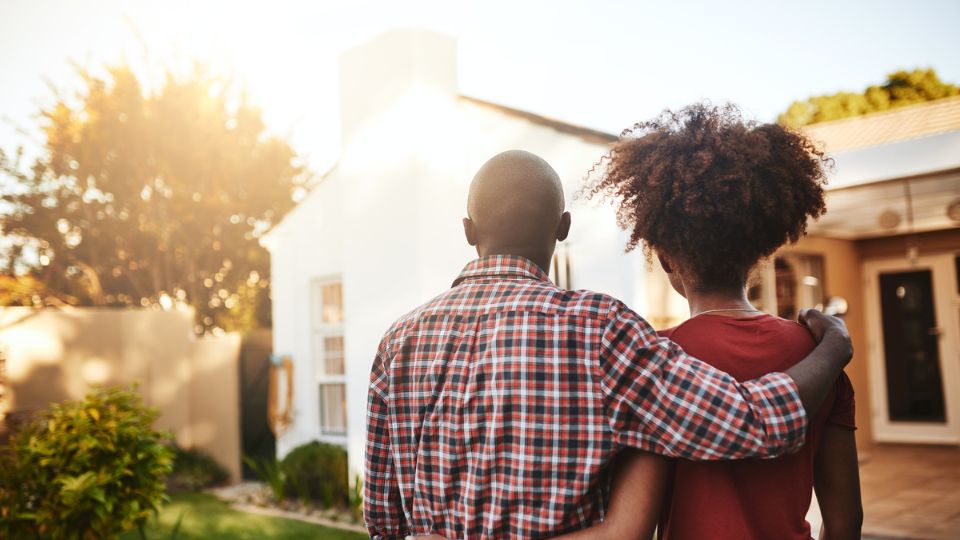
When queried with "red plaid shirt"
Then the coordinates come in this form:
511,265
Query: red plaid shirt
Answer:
495,409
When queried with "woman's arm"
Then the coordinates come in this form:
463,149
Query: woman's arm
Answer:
836,479
639,484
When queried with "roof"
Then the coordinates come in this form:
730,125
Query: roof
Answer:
584,133
904,123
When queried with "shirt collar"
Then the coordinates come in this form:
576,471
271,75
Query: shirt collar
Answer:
501,266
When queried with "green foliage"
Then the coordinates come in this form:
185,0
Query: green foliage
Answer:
85,469
356,499
318,471
193,470
900,89
29,291
313,472
150,196
270,473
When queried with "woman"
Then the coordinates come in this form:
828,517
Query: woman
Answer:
712,196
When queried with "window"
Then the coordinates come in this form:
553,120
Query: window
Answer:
328,354
789,283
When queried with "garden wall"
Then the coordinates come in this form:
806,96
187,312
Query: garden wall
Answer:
58,354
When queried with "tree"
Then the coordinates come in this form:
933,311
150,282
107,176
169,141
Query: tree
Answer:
144,198
900,89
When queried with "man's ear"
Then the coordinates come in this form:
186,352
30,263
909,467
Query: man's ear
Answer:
563,229
667,267
470,231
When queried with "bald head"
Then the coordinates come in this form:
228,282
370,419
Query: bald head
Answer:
515,207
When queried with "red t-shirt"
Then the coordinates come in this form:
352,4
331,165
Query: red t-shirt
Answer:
756,498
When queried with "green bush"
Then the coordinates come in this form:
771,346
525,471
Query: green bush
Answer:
270,473
193,470
318,472
84,469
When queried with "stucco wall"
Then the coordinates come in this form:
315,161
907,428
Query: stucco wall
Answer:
896,246
843,277
55,355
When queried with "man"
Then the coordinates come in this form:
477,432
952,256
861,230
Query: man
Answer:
496,408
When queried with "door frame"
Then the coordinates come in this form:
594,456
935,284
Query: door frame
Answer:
946,304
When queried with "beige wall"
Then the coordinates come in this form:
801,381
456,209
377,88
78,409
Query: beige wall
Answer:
896,246
843,277
54,355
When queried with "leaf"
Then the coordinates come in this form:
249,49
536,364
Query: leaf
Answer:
96,493
73,485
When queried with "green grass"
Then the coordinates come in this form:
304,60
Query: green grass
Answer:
205,516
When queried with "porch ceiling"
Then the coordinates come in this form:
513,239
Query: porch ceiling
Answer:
882,209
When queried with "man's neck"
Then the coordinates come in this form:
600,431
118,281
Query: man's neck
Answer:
540,259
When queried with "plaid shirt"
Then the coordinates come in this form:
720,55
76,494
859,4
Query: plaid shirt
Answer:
495,409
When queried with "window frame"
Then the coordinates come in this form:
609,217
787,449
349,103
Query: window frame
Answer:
320,330
765,279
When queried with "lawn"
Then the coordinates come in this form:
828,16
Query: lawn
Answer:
205,516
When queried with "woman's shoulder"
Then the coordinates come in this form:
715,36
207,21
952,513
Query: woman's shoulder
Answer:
719,323
744,347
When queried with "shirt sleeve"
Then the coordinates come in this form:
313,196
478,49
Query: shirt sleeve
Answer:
661,400
843,412
382,504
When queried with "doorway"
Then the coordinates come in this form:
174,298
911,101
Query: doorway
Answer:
914,348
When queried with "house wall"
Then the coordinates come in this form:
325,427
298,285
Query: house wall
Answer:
391,229
896,246
310,245
56,355
843,277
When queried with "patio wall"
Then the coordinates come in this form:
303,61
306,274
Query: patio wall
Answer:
58,354
843,277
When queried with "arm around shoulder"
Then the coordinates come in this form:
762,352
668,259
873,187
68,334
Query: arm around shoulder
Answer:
661,400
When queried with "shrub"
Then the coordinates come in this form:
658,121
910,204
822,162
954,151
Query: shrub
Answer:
317,471
356,499
194,469
269,472
85,469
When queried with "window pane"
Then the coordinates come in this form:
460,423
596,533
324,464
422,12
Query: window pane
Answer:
332,303
911,348
786,283
333,409
799,283
333,355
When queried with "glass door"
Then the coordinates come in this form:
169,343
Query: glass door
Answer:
913,331
911,347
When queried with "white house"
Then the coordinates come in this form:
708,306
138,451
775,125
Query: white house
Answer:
382,234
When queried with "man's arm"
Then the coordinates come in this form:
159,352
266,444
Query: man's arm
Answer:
661,400
382,505
817,374
637,492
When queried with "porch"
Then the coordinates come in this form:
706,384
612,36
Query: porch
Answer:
911,492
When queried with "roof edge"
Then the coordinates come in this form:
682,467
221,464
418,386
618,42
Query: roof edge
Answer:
585,133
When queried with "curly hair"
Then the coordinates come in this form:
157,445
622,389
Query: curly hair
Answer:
713,193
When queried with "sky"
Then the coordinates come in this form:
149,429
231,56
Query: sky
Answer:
601,64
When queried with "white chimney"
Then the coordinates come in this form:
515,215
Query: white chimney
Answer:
374,74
